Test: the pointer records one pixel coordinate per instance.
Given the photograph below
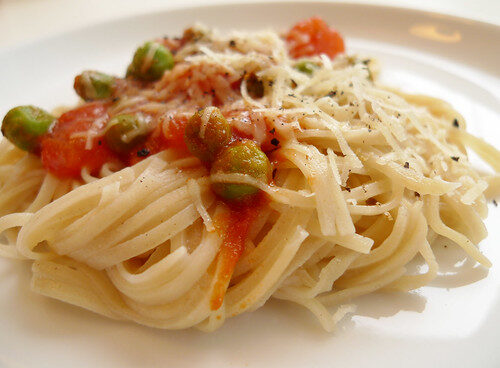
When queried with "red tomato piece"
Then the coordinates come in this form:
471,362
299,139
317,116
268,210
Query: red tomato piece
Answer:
63,153
234,227
313,37
173,131
168,134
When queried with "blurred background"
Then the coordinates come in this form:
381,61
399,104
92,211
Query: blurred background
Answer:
26,20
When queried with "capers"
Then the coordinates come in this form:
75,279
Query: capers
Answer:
92,85
243,157
306,67
150,61
126,131
206,133
24,125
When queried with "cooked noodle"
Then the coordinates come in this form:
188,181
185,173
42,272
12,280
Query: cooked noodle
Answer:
365,178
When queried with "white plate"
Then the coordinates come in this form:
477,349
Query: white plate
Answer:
453,323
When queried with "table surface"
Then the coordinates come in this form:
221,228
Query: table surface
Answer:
24,21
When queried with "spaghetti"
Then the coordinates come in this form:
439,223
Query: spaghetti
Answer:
364,178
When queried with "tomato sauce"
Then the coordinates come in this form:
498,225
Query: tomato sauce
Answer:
313,37
173,131
63,150
167,134
234,227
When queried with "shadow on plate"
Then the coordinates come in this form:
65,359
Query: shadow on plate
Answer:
456,269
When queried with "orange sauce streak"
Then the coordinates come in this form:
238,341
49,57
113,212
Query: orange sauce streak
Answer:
234,227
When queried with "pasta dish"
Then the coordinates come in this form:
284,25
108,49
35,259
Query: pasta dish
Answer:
227,168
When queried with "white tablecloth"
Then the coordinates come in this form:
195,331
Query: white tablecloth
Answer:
26,20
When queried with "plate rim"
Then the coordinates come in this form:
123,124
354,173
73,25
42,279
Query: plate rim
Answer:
222,3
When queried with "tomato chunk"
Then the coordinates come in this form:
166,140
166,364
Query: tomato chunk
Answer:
313,37
63,151
169,133
173,131
234,227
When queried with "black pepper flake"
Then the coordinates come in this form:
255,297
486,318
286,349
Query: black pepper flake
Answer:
272,131
99,142
294,84
417,194
455,123
332,93
143,152
270,83
275,142
274,173
495,203
232,43
455,158
348,189
407,165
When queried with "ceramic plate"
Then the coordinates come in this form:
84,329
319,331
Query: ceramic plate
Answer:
454,322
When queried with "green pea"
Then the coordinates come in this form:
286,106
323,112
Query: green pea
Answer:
92,85
244,157
150,61
306,67
126,131
24,125
206,140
